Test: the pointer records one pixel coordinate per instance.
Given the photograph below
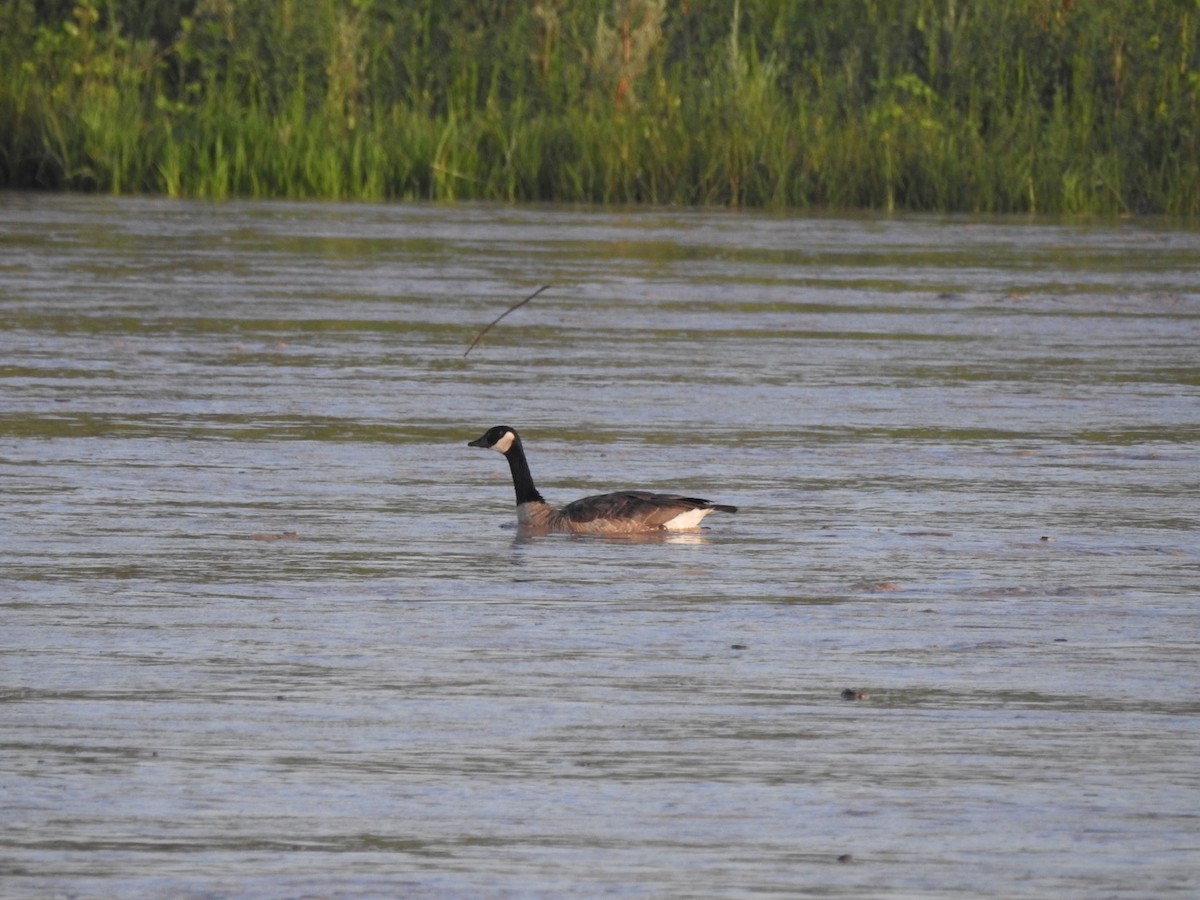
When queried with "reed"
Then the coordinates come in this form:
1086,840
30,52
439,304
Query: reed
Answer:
987,106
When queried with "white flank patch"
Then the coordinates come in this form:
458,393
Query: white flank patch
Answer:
505,443
686,520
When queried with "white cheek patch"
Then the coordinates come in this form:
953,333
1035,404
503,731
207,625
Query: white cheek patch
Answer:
505,443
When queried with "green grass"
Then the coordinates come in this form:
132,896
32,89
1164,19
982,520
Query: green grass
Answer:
1060,106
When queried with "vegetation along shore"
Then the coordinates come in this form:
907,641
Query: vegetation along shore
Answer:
1057,106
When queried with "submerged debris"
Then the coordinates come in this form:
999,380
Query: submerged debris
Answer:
874,587
275,536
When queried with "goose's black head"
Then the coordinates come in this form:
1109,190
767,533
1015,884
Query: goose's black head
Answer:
499,438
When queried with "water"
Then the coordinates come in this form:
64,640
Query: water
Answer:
268,631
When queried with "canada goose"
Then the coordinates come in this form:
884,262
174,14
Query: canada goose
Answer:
624,512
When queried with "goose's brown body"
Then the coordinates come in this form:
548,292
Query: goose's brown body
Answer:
622,512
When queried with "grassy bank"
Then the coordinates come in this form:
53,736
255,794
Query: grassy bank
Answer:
974,105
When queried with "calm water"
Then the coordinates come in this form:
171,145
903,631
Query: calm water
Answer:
267,630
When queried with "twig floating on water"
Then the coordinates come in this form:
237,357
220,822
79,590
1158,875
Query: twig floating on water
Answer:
479,337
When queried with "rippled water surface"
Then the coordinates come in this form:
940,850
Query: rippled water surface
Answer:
268,631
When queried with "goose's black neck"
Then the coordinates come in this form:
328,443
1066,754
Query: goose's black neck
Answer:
522,480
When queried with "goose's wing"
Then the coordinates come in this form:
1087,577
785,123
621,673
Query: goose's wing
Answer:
641,508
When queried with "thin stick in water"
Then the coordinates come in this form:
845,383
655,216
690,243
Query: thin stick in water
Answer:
479,337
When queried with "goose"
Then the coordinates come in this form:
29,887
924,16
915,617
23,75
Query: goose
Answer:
623,512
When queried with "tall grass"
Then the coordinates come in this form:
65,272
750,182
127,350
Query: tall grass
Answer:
975,105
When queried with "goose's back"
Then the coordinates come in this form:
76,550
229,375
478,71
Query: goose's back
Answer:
630,511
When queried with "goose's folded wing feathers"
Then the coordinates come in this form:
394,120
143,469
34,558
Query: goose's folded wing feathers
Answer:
649,509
